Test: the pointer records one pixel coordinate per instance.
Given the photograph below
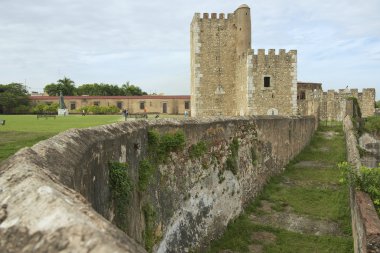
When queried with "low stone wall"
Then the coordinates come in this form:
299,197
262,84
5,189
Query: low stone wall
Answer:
365,221
192,198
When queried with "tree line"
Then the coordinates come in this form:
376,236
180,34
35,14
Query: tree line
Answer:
67,87
14,97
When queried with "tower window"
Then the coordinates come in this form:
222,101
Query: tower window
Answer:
302,95
266,81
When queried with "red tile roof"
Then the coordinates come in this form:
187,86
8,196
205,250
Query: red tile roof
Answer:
111,97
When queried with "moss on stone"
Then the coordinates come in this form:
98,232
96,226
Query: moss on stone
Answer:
197,150
146,171
232,159
149,236
120,187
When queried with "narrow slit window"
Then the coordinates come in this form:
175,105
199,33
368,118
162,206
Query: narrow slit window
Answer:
302,95
266,81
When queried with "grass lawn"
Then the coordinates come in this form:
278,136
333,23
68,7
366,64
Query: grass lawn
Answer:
26,130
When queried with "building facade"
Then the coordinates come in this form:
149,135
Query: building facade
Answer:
229,78
134,104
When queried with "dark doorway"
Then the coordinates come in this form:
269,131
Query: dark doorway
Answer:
164,108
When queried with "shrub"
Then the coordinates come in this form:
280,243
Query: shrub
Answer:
94,109
367,180
160,146
45,108
197,150
372,125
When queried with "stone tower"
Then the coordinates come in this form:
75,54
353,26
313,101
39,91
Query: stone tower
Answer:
227,78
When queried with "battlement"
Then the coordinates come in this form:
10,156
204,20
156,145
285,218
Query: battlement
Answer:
351,92
213,16
368,90
271,54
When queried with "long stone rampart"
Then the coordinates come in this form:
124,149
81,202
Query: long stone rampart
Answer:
55,196
365,221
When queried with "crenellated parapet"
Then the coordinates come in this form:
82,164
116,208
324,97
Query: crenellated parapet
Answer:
263,57
333,103
208,16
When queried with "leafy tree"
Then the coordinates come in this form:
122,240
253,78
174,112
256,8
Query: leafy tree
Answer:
92,89
13,97
66,85
52,89
101,89
377,104
132,90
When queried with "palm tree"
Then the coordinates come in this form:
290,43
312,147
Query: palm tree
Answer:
67,86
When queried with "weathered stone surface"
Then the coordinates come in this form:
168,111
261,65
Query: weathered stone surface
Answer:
42,187
371,144
365,221
39,214
334,105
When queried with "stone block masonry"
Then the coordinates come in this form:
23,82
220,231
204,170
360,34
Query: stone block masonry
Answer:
53,194
228,79
365,221
333,103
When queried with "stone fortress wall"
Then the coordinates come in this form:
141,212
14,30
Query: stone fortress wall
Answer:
280,97
332,105
228,78
52,195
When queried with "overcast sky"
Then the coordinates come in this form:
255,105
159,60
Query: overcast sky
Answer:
148,44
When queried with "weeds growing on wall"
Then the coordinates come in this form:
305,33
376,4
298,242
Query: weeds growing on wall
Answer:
149,235
120,187
146,171
197,150
160,146
232,159
253,156
367,180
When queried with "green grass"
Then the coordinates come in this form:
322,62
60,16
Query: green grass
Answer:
336,146
310,191
26,130
314,176
372,124
239,236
